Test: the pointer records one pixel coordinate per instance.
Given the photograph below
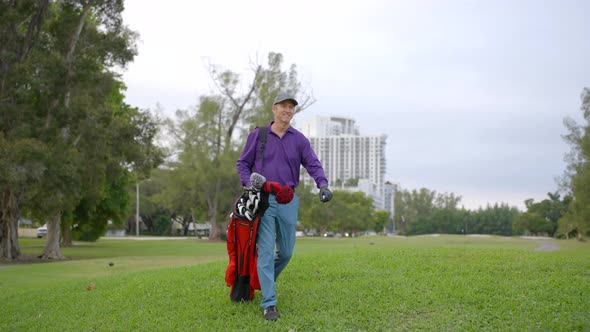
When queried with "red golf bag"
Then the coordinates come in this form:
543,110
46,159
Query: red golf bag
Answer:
241,273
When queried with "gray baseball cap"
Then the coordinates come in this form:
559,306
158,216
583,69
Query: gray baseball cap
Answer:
282,96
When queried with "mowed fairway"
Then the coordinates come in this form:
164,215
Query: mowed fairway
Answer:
429,283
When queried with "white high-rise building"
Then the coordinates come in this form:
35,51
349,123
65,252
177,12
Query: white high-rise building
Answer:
346,155
389,192
329,126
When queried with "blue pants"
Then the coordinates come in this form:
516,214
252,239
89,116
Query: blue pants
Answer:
278,225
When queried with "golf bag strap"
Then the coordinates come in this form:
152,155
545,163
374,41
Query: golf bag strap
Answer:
263,134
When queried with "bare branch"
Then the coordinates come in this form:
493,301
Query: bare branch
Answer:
70,56
34,29
240,108
76,36
305,102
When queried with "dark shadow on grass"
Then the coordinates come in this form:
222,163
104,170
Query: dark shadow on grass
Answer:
25,259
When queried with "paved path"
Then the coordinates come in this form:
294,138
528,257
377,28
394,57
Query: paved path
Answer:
149,238
547,246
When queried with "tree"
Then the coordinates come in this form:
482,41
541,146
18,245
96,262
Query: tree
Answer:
63,96
21,164
351,182
424,211
21,155
171,193
351,213
542,217
96,208
577,175
312,217
531,223
495,219
205,170
381,218
95,127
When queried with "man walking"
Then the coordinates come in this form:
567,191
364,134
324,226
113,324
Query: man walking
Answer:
285,151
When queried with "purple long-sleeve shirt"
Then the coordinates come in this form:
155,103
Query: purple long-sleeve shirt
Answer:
282,158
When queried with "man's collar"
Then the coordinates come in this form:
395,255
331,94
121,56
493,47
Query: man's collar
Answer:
289,130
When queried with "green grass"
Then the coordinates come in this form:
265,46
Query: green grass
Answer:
446,283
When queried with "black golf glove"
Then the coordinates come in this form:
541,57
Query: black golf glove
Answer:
325,194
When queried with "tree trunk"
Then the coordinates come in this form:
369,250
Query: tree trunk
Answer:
9,249
51,250
212,213
66,239
9,214
580,235
214,232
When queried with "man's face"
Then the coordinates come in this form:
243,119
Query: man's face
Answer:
284,111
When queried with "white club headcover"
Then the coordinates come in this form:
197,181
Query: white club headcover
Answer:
257,181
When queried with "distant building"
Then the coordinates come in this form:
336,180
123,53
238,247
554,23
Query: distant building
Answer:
389,191
346,155
329,126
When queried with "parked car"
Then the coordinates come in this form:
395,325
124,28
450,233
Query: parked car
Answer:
42,231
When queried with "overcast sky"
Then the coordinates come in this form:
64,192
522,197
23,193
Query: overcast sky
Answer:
471,94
